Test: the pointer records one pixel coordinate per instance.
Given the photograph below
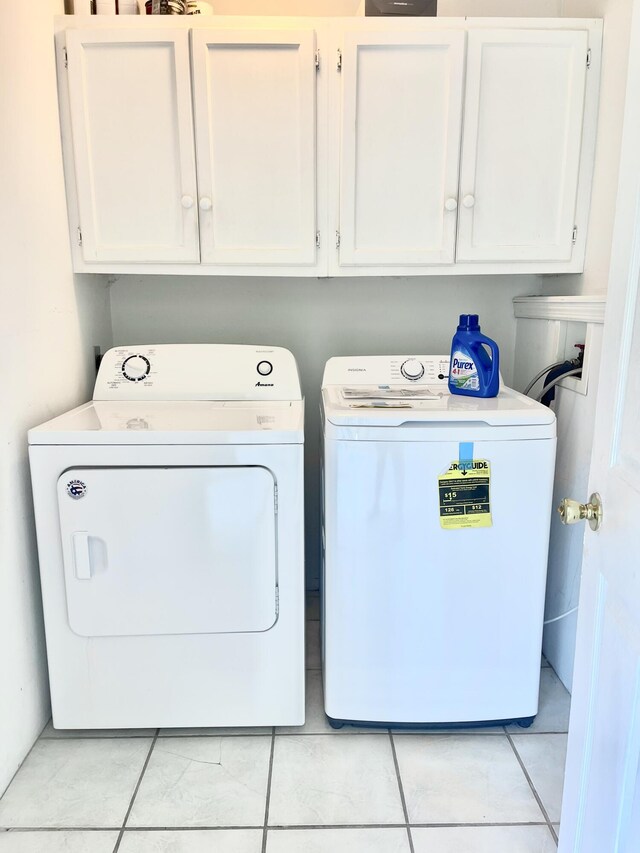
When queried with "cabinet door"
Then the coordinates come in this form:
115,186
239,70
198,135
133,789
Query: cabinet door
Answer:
255,95
401,120
130,102
521,147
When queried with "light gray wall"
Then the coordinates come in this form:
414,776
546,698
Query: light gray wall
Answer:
316,319
48,324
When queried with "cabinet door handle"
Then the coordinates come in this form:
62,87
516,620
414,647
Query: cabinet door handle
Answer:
205,203
450,204
186,201
468,201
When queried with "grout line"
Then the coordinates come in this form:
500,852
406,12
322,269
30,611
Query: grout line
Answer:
348,730
268,799
135,792
316,826
401,789
53,829
59,739
532,786
479,825
18,829
338,733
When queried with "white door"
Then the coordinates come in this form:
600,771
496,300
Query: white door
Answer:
521,147
401,121
130,102
168,550
601,806
254,96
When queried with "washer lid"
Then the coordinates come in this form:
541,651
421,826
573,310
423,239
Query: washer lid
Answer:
176,422
397,405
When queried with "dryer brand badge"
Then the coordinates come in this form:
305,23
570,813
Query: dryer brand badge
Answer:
76,489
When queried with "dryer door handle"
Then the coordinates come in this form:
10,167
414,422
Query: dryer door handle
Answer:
82,555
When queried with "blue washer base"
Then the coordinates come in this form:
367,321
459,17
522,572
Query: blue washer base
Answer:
523,722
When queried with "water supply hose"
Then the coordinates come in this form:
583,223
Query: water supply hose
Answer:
555,381
542,372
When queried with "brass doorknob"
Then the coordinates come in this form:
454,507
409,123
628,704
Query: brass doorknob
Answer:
571,511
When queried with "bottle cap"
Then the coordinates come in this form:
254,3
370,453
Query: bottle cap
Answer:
469,323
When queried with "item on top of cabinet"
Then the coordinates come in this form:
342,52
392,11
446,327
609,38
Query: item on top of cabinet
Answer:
169,7
417,8
196,7
473,372
116,7
80,7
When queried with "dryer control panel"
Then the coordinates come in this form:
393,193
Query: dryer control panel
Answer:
197,372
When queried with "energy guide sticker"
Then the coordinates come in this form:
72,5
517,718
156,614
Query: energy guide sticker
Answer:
465,495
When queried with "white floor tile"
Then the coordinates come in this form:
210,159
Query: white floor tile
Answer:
57,842
544,757
484,839
315,718
463,779
204,781
75,782
355,840
60,734
320,780
219,731
313,654
192,841
553,712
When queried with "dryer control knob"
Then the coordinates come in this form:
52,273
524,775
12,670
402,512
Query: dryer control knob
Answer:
412,369
136,368
264,368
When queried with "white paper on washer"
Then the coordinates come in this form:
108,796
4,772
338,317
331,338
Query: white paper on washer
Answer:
389,392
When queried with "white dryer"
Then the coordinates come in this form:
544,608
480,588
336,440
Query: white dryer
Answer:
169,515
436,529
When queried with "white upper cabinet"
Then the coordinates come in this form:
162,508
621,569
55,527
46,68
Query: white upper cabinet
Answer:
130,106
401,122
343,146
523,129
255,121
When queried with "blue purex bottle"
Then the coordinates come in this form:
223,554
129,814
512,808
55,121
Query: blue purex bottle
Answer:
473,372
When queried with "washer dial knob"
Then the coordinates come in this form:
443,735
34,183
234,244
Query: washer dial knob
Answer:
264,368
136,368
412,369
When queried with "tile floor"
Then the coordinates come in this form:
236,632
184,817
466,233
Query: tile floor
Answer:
293,790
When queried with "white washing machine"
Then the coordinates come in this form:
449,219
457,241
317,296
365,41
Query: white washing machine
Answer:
169,515
436,528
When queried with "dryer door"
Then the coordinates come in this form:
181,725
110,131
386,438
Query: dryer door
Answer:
169,550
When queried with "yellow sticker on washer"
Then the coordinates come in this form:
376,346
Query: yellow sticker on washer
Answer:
464,495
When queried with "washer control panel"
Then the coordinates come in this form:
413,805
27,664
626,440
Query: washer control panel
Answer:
197,372
412,369
383,370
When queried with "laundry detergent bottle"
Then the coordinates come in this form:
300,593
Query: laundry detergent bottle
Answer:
473,372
